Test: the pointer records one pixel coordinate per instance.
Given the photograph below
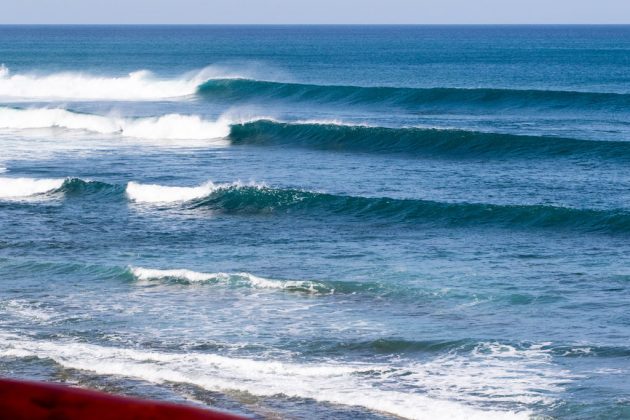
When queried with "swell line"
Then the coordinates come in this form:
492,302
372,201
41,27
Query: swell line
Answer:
422,141
411,141
413,98
251,199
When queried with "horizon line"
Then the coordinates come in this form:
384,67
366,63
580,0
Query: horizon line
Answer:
310,24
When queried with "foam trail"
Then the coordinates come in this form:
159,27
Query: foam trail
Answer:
152,193
171,126
246,279
140,85
26,187
451,386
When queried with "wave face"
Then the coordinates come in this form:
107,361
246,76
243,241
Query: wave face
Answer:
421,141
27,187
414,98
260,199
170,126
236,279
265,200
140,85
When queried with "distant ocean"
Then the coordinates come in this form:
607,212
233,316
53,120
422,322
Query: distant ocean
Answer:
316,222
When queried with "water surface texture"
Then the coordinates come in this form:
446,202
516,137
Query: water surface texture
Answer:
320,222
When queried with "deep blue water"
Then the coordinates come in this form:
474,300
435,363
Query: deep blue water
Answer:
320,221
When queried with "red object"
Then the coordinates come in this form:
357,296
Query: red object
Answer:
34,401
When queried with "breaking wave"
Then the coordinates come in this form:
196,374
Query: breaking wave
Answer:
321,135
171,126
140,85
27,187
253,199
236,279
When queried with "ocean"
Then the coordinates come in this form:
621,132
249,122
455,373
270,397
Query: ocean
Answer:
315,222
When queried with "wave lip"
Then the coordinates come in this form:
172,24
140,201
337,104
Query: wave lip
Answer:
237,279
170,126
27,187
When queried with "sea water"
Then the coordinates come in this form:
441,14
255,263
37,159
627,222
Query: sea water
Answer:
320,221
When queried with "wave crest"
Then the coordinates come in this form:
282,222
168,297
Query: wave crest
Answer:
153,193
236,279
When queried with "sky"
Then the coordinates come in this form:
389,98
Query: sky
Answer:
314,11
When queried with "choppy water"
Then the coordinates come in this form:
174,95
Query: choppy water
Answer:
320,222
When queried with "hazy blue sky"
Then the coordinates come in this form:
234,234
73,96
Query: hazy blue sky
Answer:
314,11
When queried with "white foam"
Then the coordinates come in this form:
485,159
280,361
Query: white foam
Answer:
136,86
171,126
329,122
163,194
152,193
25,187
246,279
27,310
405,389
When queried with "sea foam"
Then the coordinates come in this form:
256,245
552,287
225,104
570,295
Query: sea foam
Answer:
140,85
170,126
153,193
483,384
26,187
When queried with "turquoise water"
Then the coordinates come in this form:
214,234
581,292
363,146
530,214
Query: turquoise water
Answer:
320,221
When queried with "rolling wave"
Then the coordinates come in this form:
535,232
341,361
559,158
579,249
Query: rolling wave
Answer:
411,98
237,198
170,126
321,135
221,83
270,200
421,141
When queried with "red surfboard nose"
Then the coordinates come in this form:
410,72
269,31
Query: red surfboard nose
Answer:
24,400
